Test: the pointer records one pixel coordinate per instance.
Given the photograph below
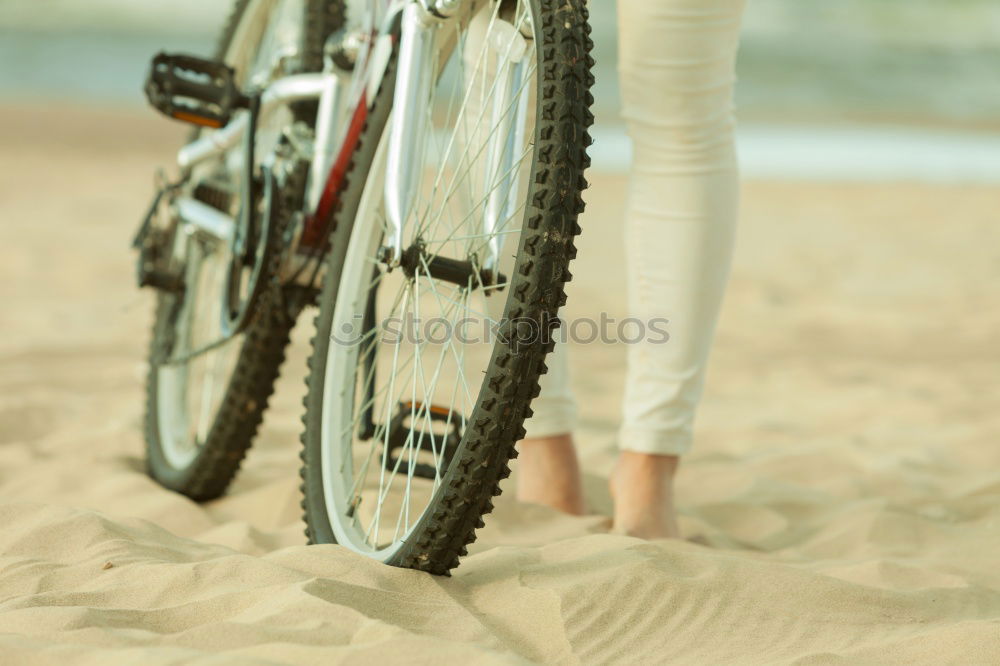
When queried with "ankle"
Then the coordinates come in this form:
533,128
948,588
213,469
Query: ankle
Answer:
549,473
530,445
650,469
642,486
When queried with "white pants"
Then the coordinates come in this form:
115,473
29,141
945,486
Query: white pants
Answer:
676,65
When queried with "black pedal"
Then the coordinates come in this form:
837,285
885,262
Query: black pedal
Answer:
194,90
446,438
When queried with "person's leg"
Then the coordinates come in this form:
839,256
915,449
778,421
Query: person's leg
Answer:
677,62
548,470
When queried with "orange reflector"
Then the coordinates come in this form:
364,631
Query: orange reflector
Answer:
434,409
201,121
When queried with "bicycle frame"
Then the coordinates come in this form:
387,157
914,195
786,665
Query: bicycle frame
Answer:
413,25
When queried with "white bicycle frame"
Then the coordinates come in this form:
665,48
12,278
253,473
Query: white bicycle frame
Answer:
417,25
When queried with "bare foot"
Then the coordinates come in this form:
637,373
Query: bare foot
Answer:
642,486
549,474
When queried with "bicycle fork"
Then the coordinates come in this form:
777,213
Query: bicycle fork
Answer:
414,83
420,31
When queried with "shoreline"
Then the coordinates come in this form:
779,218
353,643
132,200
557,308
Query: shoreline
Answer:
843,152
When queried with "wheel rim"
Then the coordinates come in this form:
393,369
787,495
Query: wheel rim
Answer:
188,395
374,498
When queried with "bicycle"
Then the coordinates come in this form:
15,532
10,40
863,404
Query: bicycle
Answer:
386,161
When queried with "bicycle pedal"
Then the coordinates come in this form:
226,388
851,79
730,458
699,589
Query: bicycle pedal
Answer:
443,442
194,90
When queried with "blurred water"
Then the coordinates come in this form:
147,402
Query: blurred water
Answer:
870,60
85,65
883,62
844,154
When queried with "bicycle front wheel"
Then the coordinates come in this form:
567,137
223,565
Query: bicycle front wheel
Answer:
422,371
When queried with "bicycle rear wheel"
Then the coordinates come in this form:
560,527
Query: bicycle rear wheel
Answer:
422,373
202,413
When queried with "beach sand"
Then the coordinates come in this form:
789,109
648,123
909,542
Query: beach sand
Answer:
841,504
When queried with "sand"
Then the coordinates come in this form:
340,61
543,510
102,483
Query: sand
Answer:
841,504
